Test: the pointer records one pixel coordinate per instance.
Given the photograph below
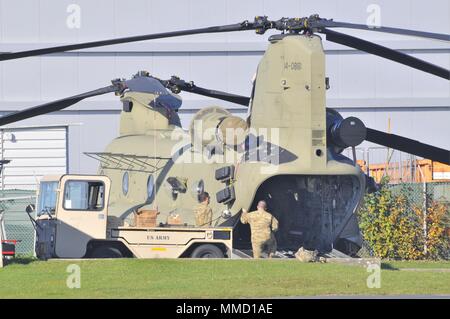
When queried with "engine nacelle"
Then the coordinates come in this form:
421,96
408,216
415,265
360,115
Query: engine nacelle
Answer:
214,126
343,133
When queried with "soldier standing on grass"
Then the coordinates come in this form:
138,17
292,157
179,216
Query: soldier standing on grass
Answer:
263,226
203,213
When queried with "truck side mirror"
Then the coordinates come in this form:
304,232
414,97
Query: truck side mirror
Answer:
30,208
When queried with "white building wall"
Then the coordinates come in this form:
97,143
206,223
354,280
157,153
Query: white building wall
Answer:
33,152
374,89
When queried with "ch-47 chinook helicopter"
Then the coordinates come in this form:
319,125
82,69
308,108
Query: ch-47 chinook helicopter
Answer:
287,152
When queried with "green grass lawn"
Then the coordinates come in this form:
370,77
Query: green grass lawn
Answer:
134,278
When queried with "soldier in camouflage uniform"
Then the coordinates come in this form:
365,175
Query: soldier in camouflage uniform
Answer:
203,213
263,226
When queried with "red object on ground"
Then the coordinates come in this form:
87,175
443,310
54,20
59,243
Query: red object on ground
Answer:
9,247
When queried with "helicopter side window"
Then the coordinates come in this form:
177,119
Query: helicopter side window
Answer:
84,195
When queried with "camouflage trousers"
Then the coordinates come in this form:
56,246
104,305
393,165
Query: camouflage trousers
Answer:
266,245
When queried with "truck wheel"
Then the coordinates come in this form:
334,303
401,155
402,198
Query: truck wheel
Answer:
106,252
207,251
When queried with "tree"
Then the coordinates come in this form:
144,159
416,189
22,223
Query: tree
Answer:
392,225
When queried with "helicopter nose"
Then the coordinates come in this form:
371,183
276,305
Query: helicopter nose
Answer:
348,132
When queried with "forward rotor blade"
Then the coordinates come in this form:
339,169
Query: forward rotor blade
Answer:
53,106
414,33
70,47
233,98
408,145
176,84
386,53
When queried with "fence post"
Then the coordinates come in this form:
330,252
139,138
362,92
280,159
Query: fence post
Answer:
425,230
424,212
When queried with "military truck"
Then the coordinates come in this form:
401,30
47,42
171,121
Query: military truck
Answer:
72,222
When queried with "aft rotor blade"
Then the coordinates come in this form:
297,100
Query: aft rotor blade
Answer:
408,145
70,47
389,140
386,53
53,106
414,33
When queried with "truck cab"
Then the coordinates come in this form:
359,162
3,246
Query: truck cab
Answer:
72,222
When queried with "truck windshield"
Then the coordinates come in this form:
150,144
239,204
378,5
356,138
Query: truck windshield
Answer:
47,198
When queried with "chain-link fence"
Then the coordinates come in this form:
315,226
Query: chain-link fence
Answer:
424,193
421,196
17,223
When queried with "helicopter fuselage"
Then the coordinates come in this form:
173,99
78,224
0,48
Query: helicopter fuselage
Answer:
284,160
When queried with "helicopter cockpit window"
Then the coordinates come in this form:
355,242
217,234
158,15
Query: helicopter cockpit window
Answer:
84,195
125,183
47,198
